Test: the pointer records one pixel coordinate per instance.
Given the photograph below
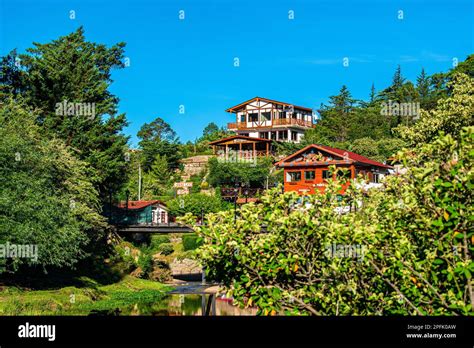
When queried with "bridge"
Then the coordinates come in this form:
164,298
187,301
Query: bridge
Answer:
154,228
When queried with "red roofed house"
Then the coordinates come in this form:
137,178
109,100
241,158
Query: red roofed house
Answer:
307,170
141,212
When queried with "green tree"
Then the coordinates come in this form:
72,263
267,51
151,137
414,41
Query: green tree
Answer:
158,138
336,117
450,116
423,88
47,197
73,70
157,181
227,173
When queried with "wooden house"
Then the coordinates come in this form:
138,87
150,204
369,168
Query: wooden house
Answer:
271,119
307,170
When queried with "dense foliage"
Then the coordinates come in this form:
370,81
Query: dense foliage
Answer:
196,204
227,173
406,249
46,196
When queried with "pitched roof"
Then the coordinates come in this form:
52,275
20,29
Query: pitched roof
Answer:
352,156
139,204
232,109
215,142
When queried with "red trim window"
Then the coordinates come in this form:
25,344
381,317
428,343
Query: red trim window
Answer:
293,177
309,175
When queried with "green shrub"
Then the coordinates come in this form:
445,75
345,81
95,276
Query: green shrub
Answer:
156,241
165,249
190,242
145,262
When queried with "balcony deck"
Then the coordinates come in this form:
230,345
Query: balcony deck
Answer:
276,123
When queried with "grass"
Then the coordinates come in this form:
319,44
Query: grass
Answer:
127,295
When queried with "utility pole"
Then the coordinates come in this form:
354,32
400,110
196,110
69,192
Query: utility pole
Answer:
139,181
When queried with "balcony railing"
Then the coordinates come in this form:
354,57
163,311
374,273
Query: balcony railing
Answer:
275,122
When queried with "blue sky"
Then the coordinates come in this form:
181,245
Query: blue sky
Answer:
190,62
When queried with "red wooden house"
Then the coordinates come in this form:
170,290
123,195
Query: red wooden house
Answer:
307,170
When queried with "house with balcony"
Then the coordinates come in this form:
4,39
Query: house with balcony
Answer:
271,119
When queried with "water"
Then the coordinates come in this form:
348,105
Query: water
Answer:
187,299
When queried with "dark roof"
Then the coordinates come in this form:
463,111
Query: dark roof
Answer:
338,152
140,204
215,142
267,100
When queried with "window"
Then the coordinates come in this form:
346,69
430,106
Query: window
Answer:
253,117
376,178
242,118
294,136
293,176
273,135
282,134
309,175
263,135
325,174
266,116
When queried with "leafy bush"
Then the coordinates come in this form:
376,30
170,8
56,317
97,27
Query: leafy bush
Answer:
145,262
191,242
157,240
195,204
165,249
225,173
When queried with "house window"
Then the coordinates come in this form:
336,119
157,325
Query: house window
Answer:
163,217
266,116
253,117
325,174
273,135
376,178
263,135
294,136
293,176
283,134
242,118
309,175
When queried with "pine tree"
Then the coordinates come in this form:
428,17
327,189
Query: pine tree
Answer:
423,88
372,93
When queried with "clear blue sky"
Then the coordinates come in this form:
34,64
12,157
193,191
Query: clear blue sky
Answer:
190,62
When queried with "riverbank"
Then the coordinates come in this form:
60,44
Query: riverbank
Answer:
128,296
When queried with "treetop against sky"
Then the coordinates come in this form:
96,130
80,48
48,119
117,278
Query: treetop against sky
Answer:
188,61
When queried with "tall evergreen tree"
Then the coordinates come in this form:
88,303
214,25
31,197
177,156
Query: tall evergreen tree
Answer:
62,80
423,88
372,93
337,116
